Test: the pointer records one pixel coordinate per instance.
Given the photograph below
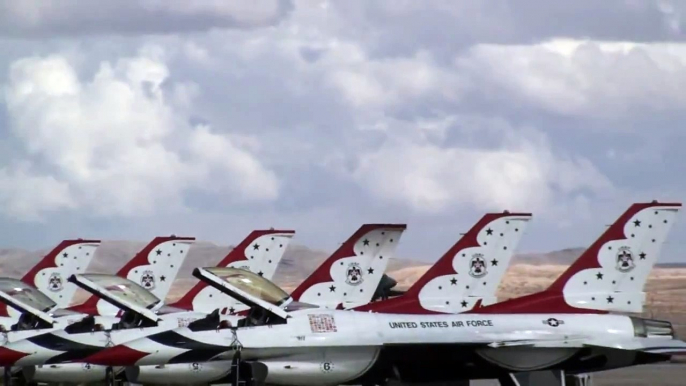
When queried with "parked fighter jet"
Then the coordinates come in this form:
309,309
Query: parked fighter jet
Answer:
464,256
141,302
33,312
570,333
155,267
378,241
312,346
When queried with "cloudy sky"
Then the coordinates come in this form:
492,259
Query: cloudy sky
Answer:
128,119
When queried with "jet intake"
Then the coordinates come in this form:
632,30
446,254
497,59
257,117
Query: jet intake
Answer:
385,289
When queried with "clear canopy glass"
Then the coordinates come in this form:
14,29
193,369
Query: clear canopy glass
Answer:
26,294
251,283
123,289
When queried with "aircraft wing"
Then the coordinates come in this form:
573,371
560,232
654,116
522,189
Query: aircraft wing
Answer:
665,346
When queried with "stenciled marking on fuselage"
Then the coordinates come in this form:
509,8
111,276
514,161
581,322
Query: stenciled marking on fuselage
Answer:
443,324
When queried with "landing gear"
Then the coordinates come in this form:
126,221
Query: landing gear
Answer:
578,380
109,376
545,378
7,376
247,373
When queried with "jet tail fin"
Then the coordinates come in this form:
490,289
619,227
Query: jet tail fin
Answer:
468,273
351,275
51,273
259,253
611,274
155,268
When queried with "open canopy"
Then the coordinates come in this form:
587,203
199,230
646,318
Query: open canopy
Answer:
251,283
26,294
247,287
123,289
122,293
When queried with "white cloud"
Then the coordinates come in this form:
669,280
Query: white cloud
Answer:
369,83
587,78
25,195
521,174
120,141
217,156
362,80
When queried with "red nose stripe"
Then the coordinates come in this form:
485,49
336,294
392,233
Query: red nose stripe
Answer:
9,357
116,356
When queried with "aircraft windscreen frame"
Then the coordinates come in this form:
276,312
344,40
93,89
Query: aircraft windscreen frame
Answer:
26,294
252,284
123,289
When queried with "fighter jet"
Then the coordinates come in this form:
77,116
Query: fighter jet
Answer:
378,241
313,346
571,332
25,304
260,251
465,256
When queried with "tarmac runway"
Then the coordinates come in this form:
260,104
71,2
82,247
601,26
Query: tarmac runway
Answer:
648,375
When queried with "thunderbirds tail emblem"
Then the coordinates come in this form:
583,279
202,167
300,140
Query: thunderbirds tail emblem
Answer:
625,260
55,282
477,266
148,280
354,274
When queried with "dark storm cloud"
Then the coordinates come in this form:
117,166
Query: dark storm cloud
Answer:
72,18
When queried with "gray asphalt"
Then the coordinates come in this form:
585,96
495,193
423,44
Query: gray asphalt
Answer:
649,375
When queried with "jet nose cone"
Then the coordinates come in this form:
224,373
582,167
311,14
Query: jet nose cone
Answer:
120,355
9,357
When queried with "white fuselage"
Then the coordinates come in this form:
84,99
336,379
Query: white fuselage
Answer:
318,346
